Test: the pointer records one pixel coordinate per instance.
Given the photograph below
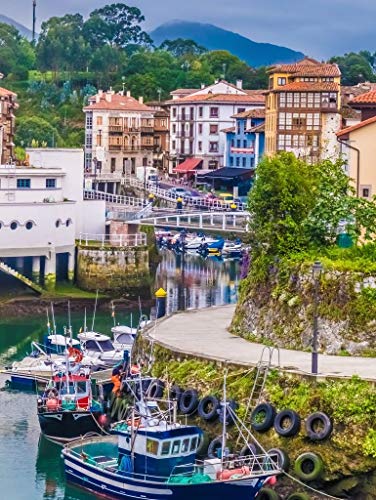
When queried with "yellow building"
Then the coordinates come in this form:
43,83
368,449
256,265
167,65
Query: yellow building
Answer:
358,144
302,109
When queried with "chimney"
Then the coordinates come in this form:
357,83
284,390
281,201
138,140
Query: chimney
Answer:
202,85
239,84
216,81
98,97
141,100
128,93
108,96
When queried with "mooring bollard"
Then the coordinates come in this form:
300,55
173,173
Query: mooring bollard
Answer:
161,300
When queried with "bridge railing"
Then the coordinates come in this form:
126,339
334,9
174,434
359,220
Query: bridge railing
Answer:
114,240
130,201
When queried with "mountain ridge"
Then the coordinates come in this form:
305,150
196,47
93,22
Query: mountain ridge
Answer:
215,38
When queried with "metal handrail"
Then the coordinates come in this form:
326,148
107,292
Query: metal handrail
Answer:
115,240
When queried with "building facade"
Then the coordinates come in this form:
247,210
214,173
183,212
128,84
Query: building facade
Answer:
197,121
358,146
42,212
245,141
8,104
119,136
303,105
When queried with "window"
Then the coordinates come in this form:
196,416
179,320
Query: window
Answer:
213,129
152,446
366,191
238,143
185,445
89,120
240,110
68,222
194,443
50,183
166,448
89,141
245,143
200,128
23,183
231,161
281,81
13,226
174,112
200,111
173,144
213,147
175,448
238,161
99,120
99,140
113,165
174,128
244,161
29,225
199,145
57,223
214,112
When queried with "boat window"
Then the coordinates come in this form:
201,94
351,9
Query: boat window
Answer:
194,443
152,446
64,388
91,345
185,445
81,387
106,345
175,447
166,448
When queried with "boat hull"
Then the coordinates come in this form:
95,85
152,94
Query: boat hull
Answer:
65,426
118,487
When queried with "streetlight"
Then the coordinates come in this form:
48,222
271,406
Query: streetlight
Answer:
316,274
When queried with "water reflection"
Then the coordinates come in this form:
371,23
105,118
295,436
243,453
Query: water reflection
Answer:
193,282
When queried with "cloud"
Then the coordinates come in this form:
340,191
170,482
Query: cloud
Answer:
316,27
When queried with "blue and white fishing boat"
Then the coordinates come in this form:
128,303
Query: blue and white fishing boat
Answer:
151,456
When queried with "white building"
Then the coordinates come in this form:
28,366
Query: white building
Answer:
119,137
42,211
198,117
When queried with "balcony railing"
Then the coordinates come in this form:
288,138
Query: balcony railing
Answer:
113,240
115,128
147,129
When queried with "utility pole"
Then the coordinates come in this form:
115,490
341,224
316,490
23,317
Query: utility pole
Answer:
34,18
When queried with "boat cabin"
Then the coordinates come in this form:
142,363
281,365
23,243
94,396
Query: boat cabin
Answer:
96,342
71,392
57,344
158,450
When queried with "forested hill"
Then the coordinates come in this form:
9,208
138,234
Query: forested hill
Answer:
215,38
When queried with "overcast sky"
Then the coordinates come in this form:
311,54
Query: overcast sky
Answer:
319,28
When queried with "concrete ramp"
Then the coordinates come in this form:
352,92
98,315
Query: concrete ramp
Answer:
12,272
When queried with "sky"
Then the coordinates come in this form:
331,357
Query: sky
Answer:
319,28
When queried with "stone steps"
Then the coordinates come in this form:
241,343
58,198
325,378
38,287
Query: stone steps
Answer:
28,282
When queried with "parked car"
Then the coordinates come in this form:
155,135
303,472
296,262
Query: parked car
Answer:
177,192
226,199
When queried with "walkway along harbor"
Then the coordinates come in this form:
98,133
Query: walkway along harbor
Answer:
188,333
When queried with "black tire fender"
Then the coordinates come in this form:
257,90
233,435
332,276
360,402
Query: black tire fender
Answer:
188,402
298,496
249,450
309,466
214,446
175,393
321,420
208,408
287,423
267,494
155,389
262,417
279,457
229,417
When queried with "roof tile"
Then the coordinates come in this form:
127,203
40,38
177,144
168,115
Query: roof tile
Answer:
118,102
309,87
357,126
367,98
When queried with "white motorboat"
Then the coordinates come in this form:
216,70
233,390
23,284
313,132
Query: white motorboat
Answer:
100,349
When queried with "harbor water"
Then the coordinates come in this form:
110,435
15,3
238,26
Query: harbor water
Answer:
30,466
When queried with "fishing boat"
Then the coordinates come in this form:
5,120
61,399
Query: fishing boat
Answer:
67,410
153,456
100,349
232,248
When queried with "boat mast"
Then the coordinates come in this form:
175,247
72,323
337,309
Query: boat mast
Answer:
48,322
95,310
53,320
113,312
85,324
70,322
224,415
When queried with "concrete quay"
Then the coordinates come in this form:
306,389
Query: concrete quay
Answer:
204,334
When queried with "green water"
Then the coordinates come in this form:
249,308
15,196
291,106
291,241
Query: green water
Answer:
30,467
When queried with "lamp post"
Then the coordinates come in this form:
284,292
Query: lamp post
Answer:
316,273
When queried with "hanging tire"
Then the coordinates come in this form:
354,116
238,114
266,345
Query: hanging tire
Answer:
208,408
262,417
175,393
202,450
249,450
155,389
267,494
188,402
230,419
278,457
298,496
287,423
318,426
214,447
309,466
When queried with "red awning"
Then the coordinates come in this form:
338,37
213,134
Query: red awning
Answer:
188,165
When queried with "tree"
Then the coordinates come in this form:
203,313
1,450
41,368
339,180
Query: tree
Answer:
355,68
16,53
61,44
183,48
36,129
116,24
